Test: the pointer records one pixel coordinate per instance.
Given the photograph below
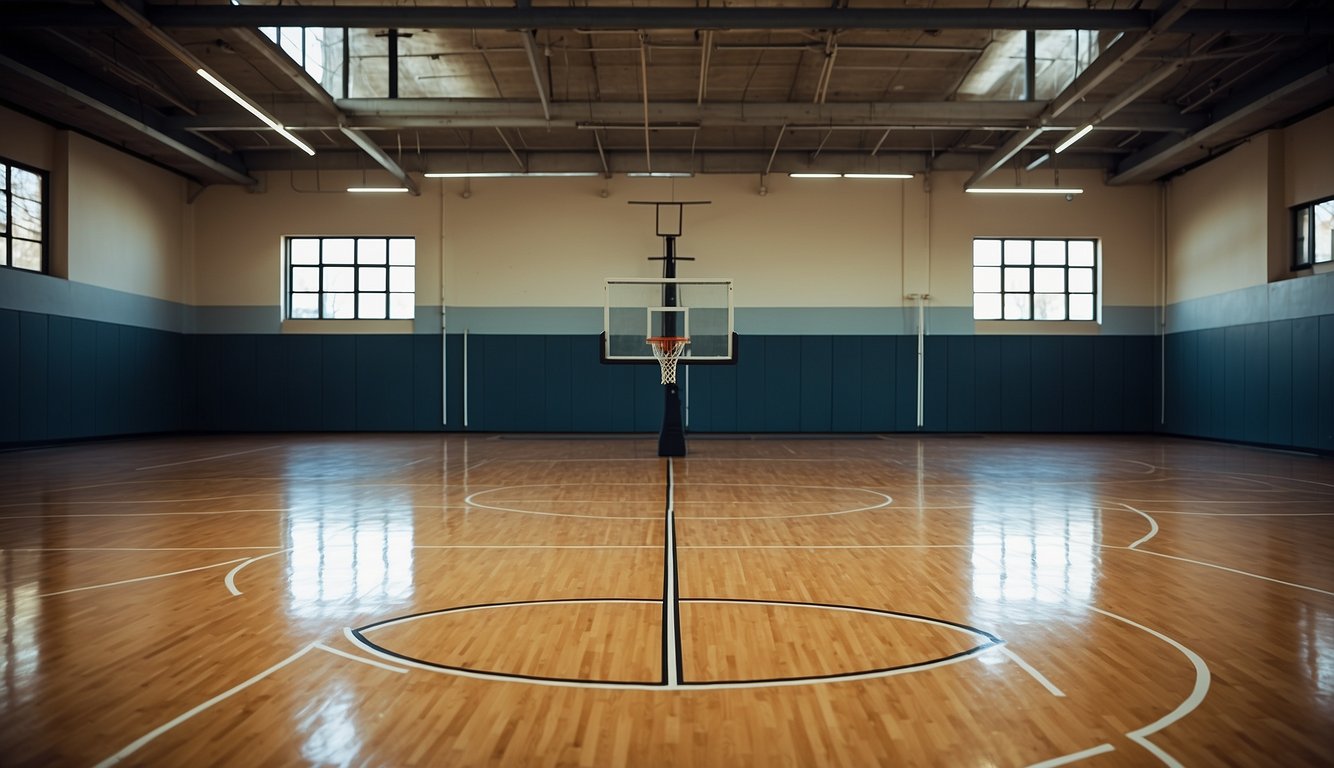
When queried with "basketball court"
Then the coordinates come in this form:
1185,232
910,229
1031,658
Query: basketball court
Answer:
633,383
509,599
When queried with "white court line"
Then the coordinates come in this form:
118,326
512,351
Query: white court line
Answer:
1074,757
1201,689
142,578
208,458
138,743
1012,656
135,501
1229,570
209,513
536,546
1246,514
230,581
129,549
1153,525
361,659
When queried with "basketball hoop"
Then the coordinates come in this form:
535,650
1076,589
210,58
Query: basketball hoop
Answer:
668,350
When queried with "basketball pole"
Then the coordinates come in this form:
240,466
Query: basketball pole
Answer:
672,436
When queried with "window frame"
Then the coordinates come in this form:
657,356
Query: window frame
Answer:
1032,291
1303,254
289,280
44,244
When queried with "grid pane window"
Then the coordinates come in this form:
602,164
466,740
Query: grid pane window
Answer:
1313,234
23,212
1034,279
350,278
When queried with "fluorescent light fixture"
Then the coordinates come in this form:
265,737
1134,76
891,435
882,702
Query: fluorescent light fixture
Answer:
252,109
378,189
1025,190
877,175
508,175
1072,138
661,175
1037,161
814,175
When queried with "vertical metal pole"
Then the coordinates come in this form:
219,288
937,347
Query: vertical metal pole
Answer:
465,378
1030,65
921,359
672,439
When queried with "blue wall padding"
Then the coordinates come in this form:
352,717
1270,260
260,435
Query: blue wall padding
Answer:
1266,383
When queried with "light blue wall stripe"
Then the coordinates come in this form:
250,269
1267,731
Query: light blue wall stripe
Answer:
1307,296
235,320
29,292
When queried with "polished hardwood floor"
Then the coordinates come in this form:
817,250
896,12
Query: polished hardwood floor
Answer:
406,600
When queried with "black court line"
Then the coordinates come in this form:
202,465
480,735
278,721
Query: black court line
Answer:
673,665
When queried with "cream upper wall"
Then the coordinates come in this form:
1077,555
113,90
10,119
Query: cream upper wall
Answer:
553,242
238,234
26,140
1309,159
128,223
118,222
1218,224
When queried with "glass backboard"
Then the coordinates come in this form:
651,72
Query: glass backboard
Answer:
641,308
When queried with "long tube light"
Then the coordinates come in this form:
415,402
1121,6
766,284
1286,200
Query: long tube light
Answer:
254,110
1072,138
508,175
1026,190
378,189
849,175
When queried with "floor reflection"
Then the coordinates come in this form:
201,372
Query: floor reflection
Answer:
332,736
1025,553
344,552
22,654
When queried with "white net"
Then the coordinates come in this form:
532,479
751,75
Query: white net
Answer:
668,350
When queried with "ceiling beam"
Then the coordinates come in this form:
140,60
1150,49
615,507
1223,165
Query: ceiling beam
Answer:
39,14
997,115
324,102
1307,83
57,76
630,159
1126,48
381,157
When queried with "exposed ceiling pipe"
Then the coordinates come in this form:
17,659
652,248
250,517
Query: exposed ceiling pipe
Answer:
510,147
530,48
774,154
705,54
602,155
643,84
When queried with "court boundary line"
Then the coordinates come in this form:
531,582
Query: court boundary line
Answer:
1030,669
1153,525
144,740
141,578
230,580
1197,695
1074,757
1224,568
209,458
